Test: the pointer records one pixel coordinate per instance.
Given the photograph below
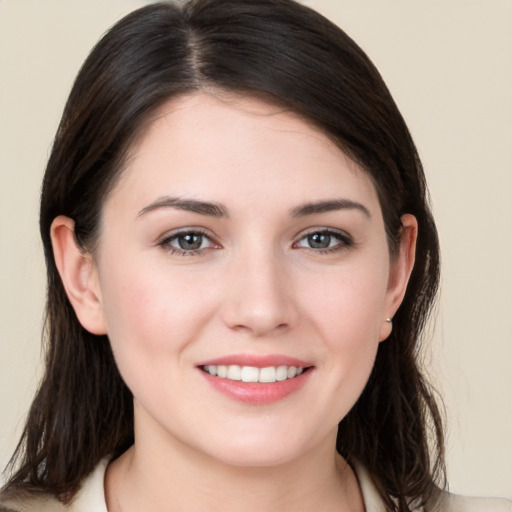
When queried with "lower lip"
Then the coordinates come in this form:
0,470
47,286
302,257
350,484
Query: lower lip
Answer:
257,393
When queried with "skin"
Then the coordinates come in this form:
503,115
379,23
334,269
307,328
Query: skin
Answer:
256,286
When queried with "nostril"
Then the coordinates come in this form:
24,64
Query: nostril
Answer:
259,329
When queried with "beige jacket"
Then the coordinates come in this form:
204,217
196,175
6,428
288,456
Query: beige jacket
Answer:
91,498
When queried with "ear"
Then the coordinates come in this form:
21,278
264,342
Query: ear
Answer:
79,275
401,267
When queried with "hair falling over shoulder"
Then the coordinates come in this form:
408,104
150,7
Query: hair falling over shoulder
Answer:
290,55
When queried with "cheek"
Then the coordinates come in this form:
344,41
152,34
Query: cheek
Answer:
347,315
151,314
348,308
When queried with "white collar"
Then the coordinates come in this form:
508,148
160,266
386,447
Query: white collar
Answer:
91,496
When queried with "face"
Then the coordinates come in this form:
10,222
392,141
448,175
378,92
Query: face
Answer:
244,278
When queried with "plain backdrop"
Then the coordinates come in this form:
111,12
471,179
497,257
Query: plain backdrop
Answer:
449,66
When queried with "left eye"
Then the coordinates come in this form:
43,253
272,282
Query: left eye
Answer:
323,240
188,241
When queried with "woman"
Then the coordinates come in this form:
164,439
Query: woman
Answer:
240,260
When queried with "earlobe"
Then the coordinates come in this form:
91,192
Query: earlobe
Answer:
79,275
400,271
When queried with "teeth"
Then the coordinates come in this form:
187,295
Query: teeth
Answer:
250,374
281,373
268,374
234,372
253,374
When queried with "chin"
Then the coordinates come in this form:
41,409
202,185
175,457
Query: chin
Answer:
257,458
266,449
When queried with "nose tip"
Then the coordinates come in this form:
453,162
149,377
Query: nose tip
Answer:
259,303
259,325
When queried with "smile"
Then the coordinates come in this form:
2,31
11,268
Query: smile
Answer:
268,375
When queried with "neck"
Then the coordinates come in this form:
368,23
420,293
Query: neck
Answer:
162,481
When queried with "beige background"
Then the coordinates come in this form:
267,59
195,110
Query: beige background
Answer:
449,66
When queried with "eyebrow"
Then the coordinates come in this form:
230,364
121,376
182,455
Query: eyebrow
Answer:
219,210
329,206
189,205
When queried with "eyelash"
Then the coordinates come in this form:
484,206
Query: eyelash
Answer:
166,242
344,242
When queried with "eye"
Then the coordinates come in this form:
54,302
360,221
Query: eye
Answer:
324,240
187,242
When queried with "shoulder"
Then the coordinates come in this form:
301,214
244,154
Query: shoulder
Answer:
90,497
447,502
30,502
455,503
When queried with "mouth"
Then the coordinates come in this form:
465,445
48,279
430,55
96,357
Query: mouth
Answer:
256,379
266,375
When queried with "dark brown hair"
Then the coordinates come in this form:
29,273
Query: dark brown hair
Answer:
290,55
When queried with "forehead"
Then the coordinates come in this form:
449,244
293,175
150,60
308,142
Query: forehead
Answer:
232,147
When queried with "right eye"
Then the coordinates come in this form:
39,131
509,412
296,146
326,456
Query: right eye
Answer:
187,243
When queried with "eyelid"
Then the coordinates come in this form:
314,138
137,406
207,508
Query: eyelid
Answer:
346,240
322,229
164,240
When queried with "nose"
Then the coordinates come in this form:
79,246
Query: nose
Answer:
259,296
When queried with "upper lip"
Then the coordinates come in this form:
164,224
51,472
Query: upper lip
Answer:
258,361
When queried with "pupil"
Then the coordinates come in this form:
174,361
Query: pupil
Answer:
319,240
190,241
